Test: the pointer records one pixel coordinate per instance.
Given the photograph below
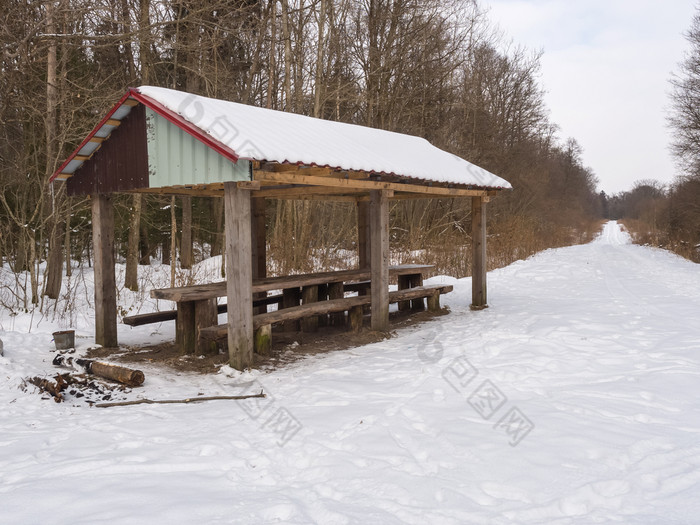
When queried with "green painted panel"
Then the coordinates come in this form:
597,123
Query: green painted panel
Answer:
176,158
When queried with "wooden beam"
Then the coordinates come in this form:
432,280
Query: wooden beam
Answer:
99,140
479,299
367,185
105,280
379,259
297,191
131,102
113,122
239,275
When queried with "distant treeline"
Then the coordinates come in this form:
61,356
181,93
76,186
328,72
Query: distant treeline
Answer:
669,217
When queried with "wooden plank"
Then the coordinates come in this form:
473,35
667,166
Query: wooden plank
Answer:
367,185
171,315
379,259
420,291
291,297
479,299
350,304
298,191
305,310
152,317
113,122
105,280
207,291
239,275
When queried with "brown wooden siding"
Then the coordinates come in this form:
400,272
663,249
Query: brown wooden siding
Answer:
121,164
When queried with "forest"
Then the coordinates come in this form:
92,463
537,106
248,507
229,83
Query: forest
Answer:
435,69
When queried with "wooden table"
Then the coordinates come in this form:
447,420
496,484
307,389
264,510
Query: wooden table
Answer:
197,308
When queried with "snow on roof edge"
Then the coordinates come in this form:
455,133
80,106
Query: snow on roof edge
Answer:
269,135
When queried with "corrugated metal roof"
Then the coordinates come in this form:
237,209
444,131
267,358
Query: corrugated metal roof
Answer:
251,133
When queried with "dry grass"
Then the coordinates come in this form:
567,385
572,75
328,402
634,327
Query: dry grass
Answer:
647,235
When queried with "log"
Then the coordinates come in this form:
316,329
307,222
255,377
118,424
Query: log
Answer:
118,373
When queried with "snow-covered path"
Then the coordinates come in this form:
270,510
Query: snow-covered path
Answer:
573,399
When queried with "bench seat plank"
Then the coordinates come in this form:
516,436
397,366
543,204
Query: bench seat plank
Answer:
219,332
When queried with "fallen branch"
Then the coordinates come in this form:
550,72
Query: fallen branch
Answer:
169,401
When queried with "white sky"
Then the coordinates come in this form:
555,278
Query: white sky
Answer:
605,68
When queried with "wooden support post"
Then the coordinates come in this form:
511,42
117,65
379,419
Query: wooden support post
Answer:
205,315
184,327
239,275
479,301
404,282
263,339
355,318
105,281
259,247
335,291
379,258
309,294
417,305
291,297
434,302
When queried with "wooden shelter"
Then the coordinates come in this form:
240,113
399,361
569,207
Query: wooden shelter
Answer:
169,142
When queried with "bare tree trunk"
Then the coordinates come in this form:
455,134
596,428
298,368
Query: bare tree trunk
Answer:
186,258
318,85
131,278
273,44
54,270
67,241
287,56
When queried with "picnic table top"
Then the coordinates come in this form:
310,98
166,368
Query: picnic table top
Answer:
200,292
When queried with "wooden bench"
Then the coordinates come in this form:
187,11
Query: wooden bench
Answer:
262,323
171,315
197,308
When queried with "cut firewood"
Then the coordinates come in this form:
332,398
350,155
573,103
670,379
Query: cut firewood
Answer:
121,374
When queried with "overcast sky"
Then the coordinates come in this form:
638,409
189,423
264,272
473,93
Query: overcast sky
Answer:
605,68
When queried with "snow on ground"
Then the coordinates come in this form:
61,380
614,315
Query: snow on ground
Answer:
572,399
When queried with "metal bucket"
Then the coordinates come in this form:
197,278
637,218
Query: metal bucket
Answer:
64,340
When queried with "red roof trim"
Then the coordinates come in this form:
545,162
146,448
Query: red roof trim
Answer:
185,125
90,135
166,113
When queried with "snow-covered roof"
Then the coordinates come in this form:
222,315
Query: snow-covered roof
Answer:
252,133
268,135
